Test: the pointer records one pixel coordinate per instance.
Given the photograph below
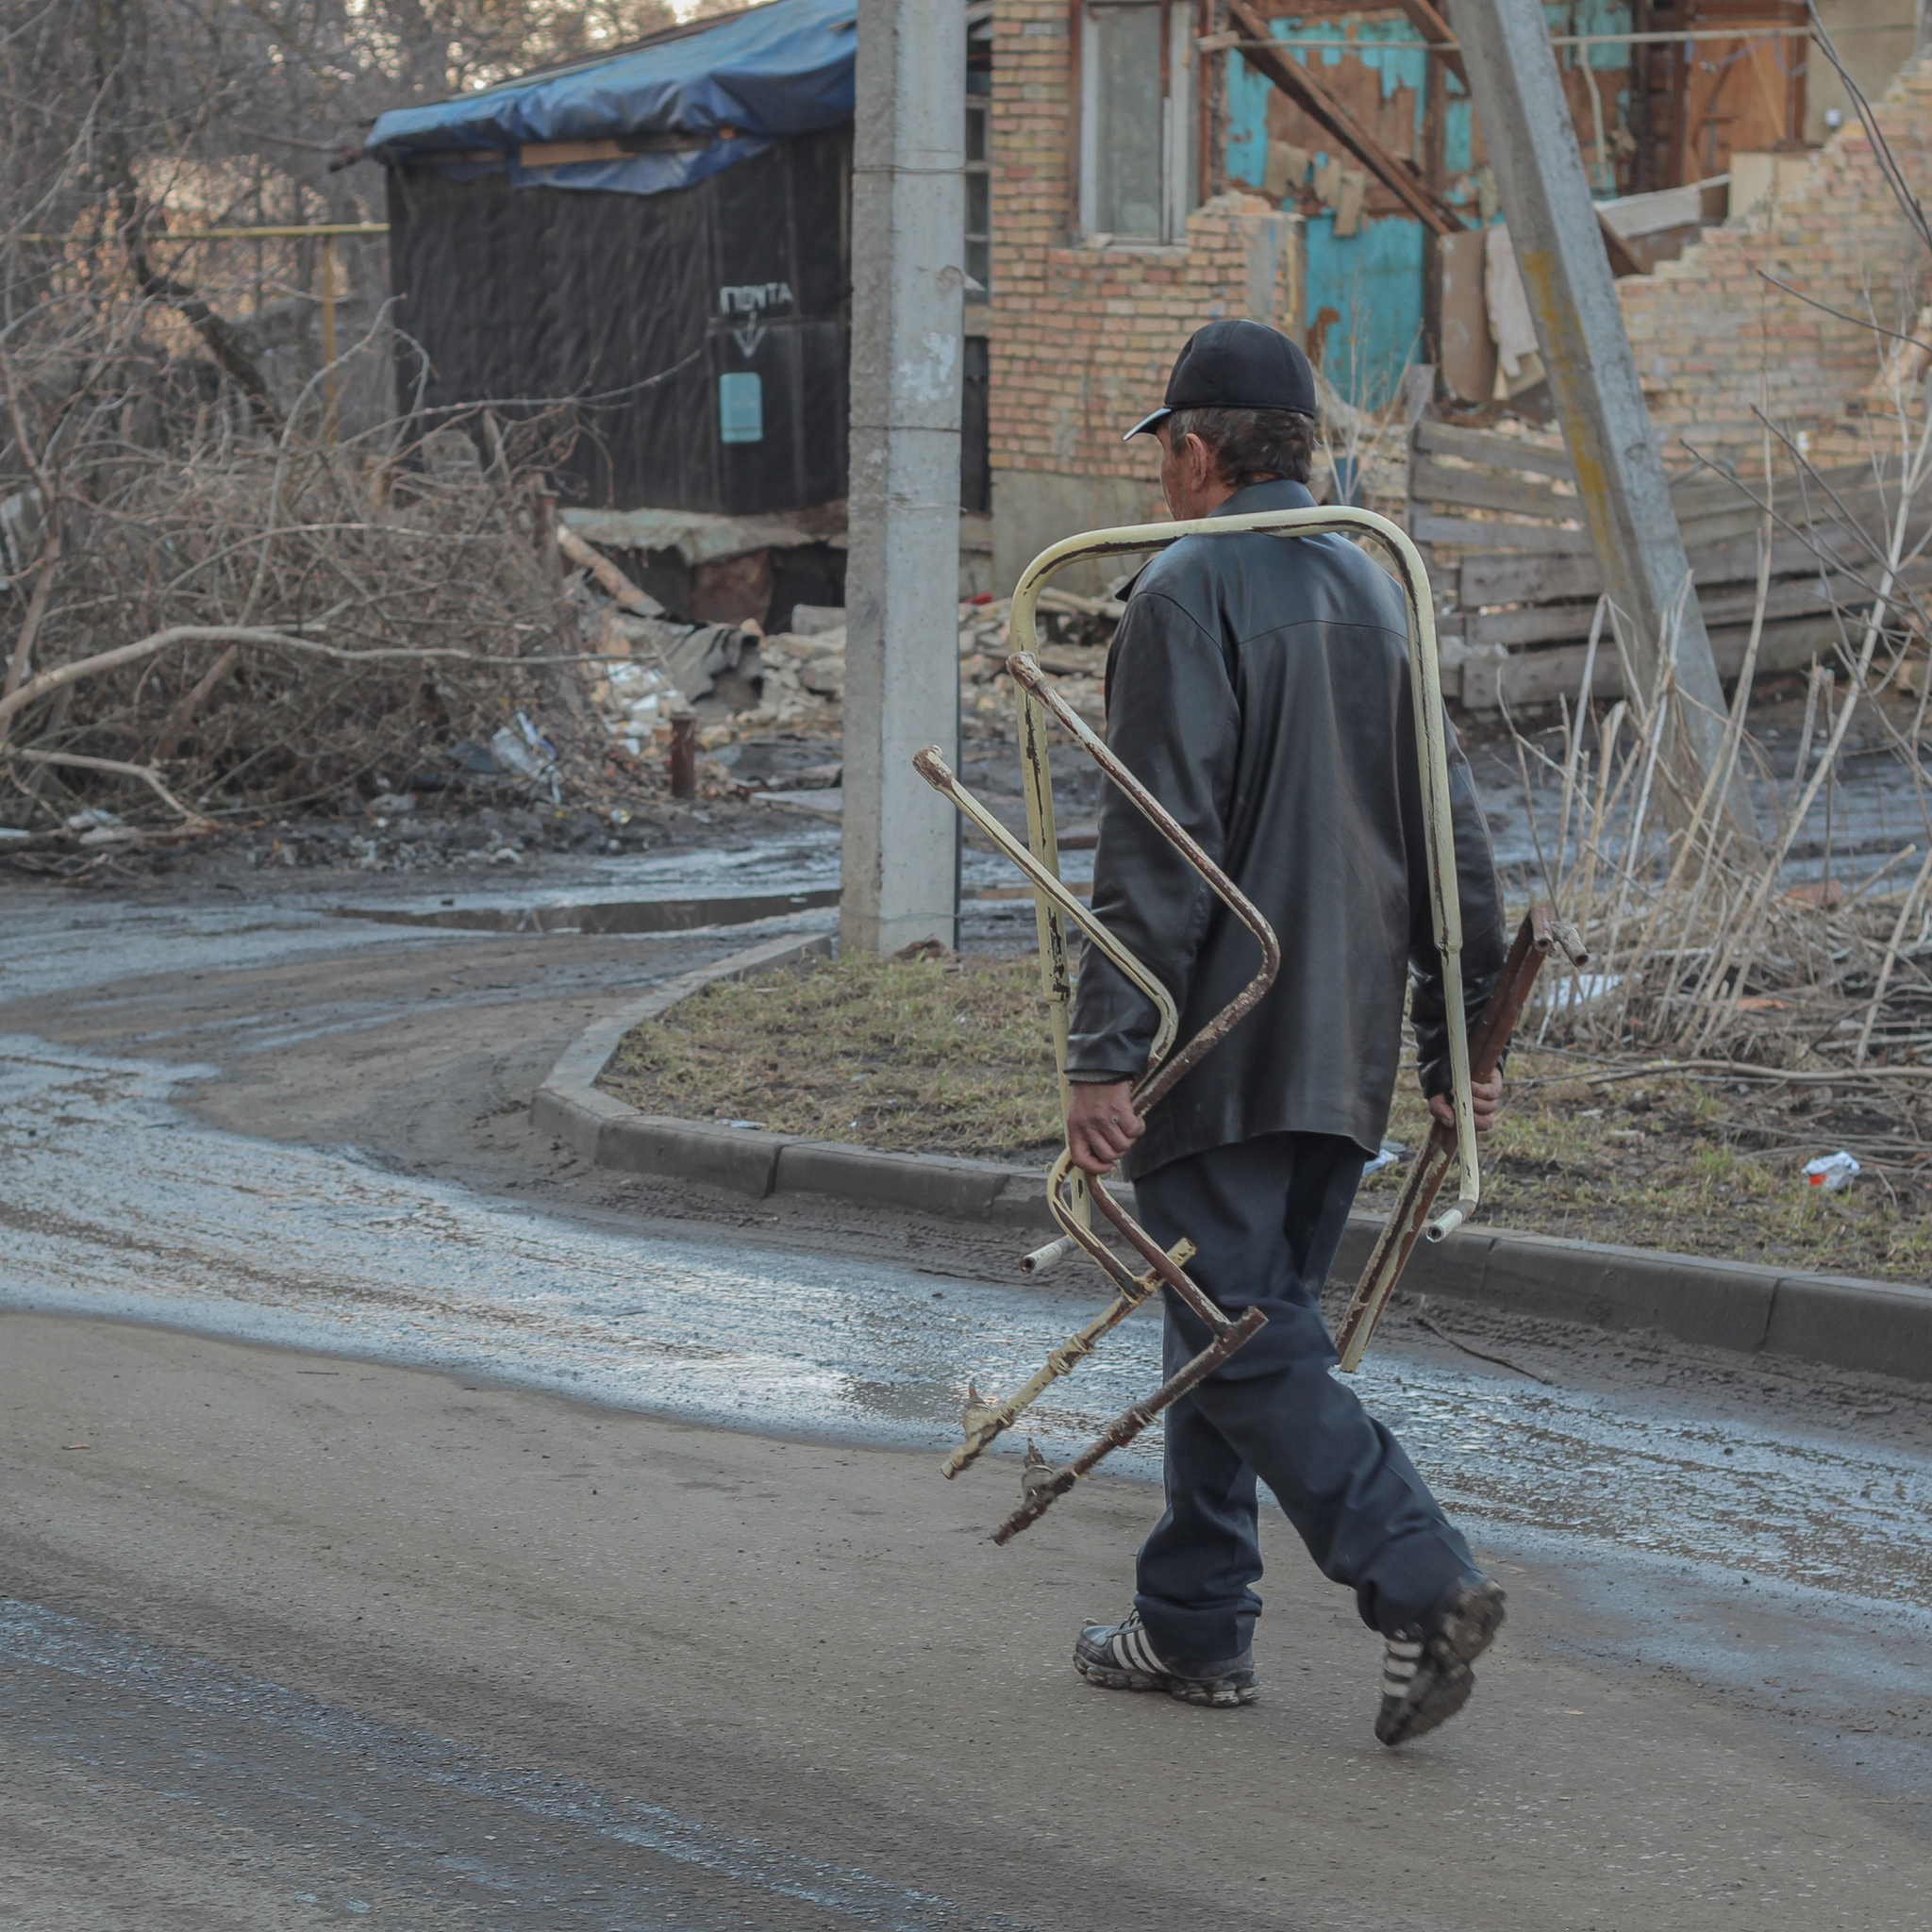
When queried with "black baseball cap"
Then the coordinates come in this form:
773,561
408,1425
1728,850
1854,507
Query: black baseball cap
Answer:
1236,365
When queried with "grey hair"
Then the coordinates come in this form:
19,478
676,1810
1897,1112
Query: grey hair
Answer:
1251,445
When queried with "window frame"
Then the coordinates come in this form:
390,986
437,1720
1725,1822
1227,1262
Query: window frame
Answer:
980,105
1179,133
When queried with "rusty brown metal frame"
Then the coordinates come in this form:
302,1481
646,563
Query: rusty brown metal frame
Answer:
1539,935
1070,1196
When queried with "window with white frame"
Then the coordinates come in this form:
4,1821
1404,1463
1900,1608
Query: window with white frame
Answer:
1137,121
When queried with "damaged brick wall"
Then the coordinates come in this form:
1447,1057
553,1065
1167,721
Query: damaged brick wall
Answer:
1081,338
1712,339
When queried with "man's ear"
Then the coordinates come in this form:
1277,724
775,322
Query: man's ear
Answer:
1203,465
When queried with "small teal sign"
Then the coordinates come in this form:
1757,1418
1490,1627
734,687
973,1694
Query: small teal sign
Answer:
741,407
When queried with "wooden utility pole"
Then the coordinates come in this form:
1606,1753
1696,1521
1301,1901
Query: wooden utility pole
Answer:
1435,173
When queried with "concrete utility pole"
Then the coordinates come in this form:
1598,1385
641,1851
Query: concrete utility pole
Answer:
1531,138
902,572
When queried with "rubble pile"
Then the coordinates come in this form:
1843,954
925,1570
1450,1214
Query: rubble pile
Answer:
1073,654
802,672
739,682
671,665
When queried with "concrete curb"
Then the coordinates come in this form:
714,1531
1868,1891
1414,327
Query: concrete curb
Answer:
1879,1327
602,1129
1876,1328
607,1131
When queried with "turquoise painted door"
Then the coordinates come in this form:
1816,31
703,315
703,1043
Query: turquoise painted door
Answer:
1371,282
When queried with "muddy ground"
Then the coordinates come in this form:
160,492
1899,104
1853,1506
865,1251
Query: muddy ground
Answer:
424,1052
455,833
311,1643
302,1639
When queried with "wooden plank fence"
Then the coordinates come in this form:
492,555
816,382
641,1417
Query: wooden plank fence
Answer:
1517,581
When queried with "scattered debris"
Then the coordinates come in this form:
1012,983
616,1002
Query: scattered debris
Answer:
520,748
812,620
1392,1151
1834,1173
616,585
1481,1354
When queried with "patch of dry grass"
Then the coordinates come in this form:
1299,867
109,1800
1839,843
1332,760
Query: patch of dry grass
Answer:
948,1055
951,1057
1682,1165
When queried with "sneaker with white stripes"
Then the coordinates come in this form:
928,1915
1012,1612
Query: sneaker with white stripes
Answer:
1119,1657
1427,1676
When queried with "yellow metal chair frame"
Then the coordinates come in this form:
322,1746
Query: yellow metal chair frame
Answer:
1069,1196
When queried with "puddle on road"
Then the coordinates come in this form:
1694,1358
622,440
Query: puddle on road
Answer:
664,892
656,905
58,946
617,916
116,1204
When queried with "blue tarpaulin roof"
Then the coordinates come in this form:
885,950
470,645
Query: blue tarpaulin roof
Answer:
776,70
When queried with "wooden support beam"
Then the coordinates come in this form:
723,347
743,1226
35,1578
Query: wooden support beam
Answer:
1435,171
1622,262
1283,71
1434,28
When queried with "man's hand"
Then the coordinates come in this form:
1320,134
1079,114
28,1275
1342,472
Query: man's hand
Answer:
1483,1094
1101,1125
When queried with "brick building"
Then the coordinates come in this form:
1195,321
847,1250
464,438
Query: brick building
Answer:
1141,185
1713,338
1082,327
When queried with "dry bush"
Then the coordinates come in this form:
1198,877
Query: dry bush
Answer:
167,462
1702,944
349,607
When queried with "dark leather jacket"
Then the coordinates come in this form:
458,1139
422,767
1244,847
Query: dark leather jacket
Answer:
1260,687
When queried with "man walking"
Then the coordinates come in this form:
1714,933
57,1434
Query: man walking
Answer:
1260,687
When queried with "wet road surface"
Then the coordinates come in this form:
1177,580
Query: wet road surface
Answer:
311,1640
118,1205
432,1832
1777,1573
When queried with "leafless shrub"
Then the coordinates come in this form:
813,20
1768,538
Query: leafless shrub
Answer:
281,616
1703,943
294,615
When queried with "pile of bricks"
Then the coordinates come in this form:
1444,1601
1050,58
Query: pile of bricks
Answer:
1712,339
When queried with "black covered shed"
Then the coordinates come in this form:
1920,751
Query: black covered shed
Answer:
660,241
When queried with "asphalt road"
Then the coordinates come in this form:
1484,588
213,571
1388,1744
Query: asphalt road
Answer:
322,1604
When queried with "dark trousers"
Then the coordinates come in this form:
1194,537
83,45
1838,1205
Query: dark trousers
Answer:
1266,1216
